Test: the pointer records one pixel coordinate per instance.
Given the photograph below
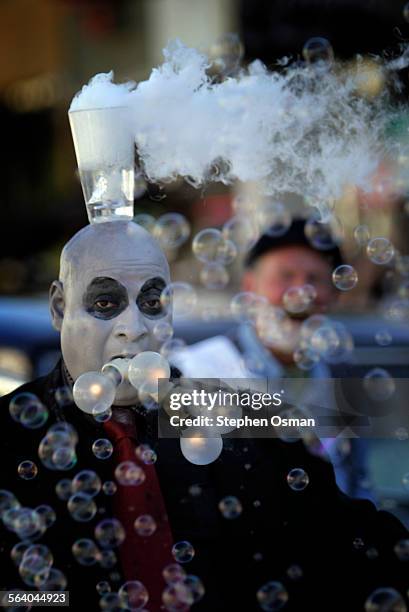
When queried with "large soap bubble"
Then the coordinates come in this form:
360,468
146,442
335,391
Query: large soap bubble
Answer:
199,449
93,392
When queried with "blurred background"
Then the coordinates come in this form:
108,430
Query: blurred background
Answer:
50,48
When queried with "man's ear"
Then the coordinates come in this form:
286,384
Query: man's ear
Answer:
57,304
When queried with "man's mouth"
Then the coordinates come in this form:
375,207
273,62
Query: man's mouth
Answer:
123,356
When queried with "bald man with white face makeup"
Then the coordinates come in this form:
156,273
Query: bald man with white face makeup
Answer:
106,304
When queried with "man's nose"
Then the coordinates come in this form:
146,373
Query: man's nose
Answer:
130,324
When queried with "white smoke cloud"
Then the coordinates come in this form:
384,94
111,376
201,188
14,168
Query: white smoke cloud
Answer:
303,130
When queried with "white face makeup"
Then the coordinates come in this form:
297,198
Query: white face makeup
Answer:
113,275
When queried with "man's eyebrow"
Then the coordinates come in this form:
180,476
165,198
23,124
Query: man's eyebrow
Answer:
101,282
153,283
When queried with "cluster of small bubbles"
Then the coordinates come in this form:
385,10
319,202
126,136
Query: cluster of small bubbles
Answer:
179,297
25,522
173,573
87,482
305,358
27,470
345,277
318,50
128,473
210,246
323,236
401,550
163,331
81,507
379,384
171,230
146,368
247,306
145,525
109,487
199,449
133,595
214,276
94,392
109,533
146,221
272,596
171,347
230,507
362,235
46,514
273,218
63,489
380,250
183,552
298,299
294,572
241,231
102,448
297,479
383,337
28,410
63,396
103,587
383,599
85,551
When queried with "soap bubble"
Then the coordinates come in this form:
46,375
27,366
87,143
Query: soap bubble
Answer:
102,448
18,551
241,231
180,298
344,277
107,559
103,587
145,525
380,251
177,597
25,522
210,246
63,396
274,218
226,53
383,337
146,368
82,507
379,384
109,487
272,596
47,515
85,551
163,331
172,347
318,50
34,569
173,573
195,586
385,599
401,550
149,456
86,481
27,470
247,306
33,414
297,479
294,572
109,533
103,417
398,310
305,358
323,236
146,221
111,602
133,595
56,450
8,501
214,276
63,489
93,392
183,552
171,230
56,581
199,449
23,402
230,507
362,235
129,474
332,341
298,299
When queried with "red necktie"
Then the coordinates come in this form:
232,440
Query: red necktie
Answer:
142,558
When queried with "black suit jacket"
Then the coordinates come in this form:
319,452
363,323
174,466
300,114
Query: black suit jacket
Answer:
319,529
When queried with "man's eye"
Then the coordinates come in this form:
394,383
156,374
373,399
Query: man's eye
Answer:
105,304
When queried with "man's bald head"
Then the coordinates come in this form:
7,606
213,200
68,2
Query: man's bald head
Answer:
107,301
